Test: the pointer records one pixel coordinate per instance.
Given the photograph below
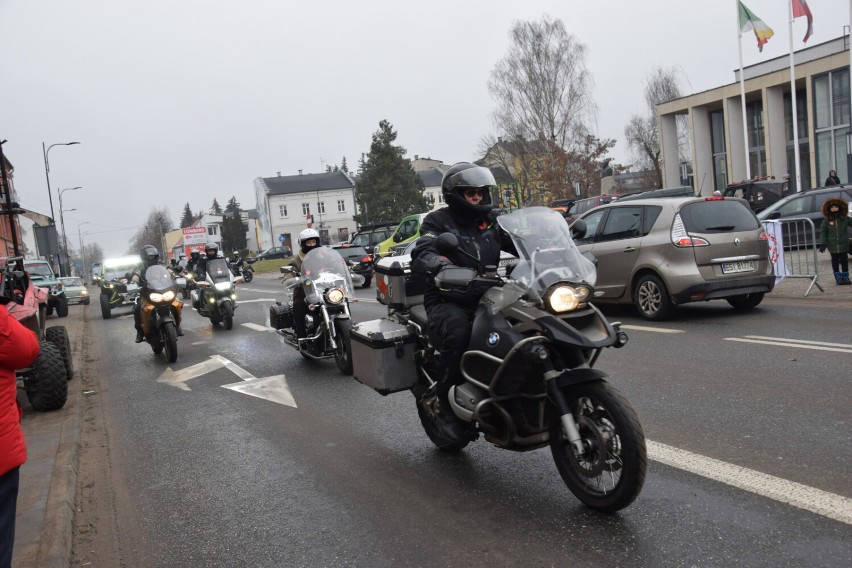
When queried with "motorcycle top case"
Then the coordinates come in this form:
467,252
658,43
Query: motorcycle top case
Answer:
383,355
396,286
280,316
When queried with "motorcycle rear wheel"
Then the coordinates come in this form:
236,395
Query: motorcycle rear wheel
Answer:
247,276
611,472
443,443
343,353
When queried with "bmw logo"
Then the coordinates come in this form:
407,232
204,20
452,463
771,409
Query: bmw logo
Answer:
493,338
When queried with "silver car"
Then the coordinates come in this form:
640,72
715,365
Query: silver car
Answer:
659,253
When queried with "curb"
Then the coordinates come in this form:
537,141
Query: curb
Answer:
54,549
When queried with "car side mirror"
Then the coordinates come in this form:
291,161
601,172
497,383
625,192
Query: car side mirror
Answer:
578,229
447,243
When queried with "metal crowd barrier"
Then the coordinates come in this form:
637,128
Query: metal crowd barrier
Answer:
793,250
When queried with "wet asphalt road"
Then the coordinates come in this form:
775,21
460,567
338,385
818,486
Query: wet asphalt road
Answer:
213,477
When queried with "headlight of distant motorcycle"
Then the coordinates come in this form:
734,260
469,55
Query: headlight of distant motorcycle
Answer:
334,295
157,298
564,297
223,286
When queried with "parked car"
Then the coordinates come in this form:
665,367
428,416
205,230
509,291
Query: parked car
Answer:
682,191
806,204
369,236
358,260
660,253
41,275
407,231
75,290
275,252
760,193
582,205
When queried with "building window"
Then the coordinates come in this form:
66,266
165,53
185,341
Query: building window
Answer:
717,141
804,147
306,209
831,118
211,229
341,206
321,206
756,144
282,210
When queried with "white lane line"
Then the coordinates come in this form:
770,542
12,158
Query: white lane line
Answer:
811,499
258,327
655,329
258,290
255,300
805,341
788,344
363,300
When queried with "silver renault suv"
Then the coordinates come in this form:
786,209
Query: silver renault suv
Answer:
659,253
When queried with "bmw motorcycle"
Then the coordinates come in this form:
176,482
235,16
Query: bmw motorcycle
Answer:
327,286
243,268
215,294
161,311
529,372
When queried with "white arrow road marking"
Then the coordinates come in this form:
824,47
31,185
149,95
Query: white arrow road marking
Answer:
648,328
272,388
256,300
179,378
791,343
811,499
257,327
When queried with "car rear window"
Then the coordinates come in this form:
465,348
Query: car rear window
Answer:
718,216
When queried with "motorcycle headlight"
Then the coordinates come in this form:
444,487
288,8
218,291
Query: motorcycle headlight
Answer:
223,286
334,295
565,298
157,298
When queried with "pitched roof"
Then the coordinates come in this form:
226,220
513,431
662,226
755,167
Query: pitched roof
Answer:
326,181
431,177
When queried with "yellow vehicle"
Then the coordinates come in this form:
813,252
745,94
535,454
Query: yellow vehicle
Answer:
407,231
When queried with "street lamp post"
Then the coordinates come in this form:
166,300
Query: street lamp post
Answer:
46,152
64,271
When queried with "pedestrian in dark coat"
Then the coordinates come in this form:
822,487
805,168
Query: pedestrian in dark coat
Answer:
832,179
834,237
18,349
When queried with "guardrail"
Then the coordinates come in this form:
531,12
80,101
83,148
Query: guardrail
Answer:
793,250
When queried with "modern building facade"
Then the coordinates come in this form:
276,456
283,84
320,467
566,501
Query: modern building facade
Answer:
715,124
288,204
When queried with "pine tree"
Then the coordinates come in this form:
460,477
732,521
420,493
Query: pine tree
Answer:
233,229
217,209
344,167
388,188
187,218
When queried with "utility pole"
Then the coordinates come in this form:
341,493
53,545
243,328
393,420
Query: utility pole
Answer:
7,191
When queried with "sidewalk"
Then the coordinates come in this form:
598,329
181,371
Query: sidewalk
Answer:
794,288
45,512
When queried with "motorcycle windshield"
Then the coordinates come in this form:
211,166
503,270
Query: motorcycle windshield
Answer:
158,278
218,270
327,269
546,250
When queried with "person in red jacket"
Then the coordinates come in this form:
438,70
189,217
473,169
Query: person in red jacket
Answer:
18,349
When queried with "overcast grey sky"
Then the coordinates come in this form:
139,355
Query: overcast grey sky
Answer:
187,100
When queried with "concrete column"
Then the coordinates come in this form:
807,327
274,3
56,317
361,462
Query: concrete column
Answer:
775,132
668,144
702,158
809,97
734,133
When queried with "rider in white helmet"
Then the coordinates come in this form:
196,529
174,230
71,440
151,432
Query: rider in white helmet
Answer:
308,239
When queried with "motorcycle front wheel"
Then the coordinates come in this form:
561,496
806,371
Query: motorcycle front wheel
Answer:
228,315
610,473
169,340
247,276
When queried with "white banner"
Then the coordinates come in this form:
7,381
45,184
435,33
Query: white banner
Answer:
195,235
776,248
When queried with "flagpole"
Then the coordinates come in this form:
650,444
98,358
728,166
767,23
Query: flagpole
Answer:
742,93
795,109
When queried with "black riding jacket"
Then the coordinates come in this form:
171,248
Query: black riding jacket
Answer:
482,238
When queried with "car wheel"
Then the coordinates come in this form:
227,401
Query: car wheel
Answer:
62,306
745,302
651,298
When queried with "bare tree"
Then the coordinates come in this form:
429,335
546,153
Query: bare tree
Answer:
641,132
159,223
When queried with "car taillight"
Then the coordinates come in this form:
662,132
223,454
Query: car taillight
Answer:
366,259
681,238
714,198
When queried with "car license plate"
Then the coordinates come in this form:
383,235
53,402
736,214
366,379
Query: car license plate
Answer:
732,267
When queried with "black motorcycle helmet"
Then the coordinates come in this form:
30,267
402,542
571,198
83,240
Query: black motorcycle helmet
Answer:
194,255
463,176
150,255
211,250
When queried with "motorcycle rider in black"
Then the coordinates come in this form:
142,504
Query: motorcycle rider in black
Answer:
467,191
308,239
211,251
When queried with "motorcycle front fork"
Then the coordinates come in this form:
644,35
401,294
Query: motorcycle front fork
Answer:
569,424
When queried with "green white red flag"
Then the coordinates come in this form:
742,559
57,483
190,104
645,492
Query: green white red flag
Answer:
748,21
801,9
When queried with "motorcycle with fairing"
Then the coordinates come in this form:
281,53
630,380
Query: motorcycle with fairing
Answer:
529,372
160,311
327,288
215,295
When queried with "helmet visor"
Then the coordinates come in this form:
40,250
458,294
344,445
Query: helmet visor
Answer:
472,177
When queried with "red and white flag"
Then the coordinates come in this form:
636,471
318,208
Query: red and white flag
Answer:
800,9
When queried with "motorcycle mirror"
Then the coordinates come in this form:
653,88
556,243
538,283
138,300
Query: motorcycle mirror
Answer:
578,229
447,243
181,283
286,269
